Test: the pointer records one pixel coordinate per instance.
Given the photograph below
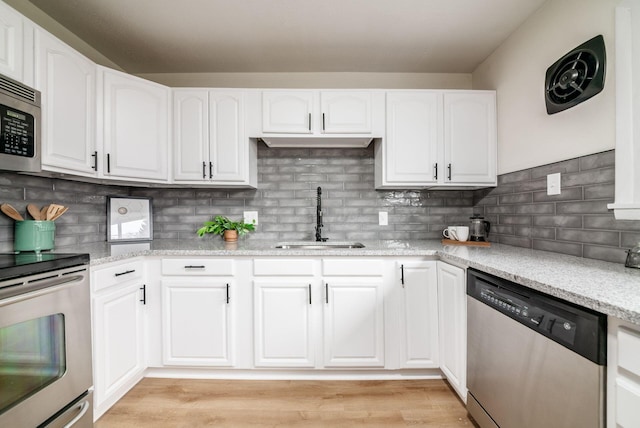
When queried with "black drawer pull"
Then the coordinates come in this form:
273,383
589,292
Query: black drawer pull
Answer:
227,294
402,275
194,267
125,272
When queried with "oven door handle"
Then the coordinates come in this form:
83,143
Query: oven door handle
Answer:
84,408
44,285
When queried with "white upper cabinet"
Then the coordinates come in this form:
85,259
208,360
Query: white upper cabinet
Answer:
190,135
67,81
438,139
410,150
288,112
134,127
210,144
470,137
346,112
12,43
321,118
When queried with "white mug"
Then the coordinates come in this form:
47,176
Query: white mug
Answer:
450,233
462,233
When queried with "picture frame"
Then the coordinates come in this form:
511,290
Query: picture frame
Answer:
129,219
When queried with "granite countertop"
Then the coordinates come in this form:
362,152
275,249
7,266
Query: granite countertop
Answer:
605,287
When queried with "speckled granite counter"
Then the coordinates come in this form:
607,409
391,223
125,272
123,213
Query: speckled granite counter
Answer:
605,287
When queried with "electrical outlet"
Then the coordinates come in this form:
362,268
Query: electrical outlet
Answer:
251,216
383,218
553,184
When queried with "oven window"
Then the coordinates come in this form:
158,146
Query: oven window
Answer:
32,356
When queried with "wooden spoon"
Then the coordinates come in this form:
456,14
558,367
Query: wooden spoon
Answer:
11,212
43,212
52,210
34,212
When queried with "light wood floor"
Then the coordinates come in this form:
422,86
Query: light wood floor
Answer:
240,403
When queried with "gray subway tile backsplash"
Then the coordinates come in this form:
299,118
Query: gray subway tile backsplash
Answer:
576,222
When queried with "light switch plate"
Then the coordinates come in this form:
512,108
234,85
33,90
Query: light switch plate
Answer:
553,184
250,216
383,218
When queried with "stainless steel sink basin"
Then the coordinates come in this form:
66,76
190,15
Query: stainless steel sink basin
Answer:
311,245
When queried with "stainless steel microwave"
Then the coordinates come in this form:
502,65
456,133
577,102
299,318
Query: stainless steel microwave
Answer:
20,123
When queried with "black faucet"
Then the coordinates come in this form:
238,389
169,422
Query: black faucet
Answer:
319,224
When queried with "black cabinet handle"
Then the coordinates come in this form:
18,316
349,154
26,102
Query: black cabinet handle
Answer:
144,294
194,267
95,161
309,121
449,168
309,293
402,275
124,273
204,173
323,121
435,171
326,291
227,294
210,169
109,163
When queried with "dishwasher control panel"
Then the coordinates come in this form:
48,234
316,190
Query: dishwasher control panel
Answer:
565,323
535,317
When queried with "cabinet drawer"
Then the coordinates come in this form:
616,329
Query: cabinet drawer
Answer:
198,267
352,267
120,273
283,267
627,404
629,350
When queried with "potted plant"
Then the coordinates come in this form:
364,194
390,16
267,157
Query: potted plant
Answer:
221,225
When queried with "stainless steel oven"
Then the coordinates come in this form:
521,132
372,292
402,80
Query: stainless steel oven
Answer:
19,127
45,341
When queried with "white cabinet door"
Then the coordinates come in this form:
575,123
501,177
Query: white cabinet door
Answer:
419,314
346,112
118,340
67,81
453,326
135,126
354,323
470,137
412,147
228,146
284,333
197,322
288,112
12,43
190,135
623,374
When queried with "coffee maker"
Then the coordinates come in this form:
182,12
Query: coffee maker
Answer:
479,228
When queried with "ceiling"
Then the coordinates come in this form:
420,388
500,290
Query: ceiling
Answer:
200,36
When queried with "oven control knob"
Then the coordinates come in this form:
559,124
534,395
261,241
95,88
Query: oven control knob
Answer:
567,326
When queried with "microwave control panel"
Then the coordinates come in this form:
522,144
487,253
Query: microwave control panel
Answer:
17,130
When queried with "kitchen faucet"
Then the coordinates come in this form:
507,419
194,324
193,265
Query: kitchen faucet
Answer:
319,224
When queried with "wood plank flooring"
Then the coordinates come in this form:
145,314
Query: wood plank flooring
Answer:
265,403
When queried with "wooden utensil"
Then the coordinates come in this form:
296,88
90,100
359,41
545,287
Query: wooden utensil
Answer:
11,212
43,212
59,213
34,212
53,210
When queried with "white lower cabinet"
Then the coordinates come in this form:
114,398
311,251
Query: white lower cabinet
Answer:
417,283
623,376
284,331
453,326
354,323
118,332
197,322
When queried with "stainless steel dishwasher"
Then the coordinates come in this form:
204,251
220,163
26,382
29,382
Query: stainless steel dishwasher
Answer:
533,360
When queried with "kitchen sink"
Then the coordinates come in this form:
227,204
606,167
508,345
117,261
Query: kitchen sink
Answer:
312,245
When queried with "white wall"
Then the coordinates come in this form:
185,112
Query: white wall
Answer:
527,136
314,80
